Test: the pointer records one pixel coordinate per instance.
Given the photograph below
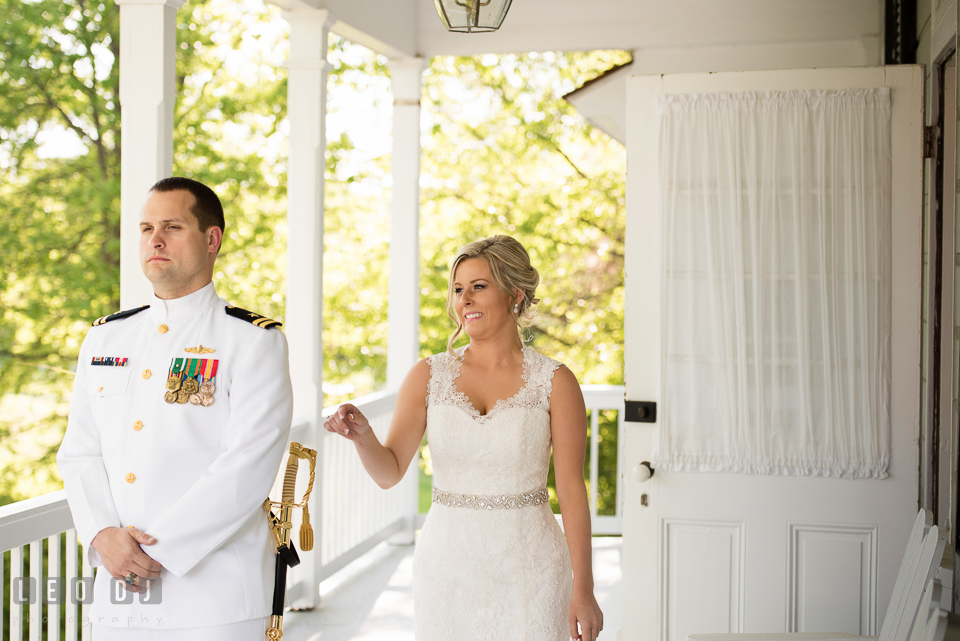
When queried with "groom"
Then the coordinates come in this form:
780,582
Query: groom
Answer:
179,417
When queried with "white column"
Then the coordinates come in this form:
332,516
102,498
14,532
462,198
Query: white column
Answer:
403,312
303,320
148,41
403,346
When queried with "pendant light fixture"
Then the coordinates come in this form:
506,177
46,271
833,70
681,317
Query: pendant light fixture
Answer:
472,16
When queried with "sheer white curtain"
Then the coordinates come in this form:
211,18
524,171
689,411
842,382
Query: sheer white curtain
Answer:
776,283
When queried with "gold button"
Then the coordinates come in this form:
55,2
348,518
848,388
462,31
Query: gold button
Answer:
131,477
163,329
100,389
138,425
147,373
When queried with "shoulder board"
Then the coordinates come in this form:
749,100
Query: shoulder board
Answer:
252,317
119,315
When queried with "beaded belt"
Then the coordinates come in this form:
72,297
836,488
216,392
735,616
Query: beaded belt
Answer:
491,502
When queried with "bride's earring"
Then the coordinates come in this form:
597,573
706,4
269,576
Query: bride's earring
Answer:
516,309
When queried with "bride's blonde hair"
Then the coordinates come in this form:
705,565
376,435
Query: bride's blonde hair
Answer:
510,269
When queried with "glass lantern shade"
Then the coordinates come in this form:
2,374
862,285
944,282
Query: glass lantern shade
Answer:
472,16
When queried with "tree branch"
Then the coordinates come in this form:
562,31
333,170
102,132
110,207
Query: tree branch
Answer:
556,148
53,105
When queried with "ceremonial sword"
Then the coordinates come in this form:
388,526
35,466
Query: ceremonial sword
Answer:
281,525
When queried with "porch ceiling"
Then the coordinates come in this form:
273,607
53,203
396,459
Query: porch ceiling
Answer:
575,25
411,27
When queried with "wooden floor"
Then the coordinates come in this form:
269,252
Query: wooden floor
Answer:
374,601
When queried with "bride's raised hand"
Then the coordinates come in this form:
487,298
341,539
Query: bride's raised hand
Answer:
348,422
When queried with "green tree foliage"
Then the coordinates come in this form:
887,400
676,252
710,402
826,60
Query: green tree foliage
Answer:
356,228
59,236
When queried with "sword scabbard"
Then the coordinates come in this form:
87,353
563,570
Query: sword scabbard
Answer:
275,631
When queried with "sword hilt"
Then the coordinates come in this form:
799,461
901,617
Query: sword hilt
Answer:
297,453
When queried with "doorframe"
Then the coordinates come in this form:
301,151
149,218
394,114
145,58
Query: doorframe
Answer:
939,457
939,379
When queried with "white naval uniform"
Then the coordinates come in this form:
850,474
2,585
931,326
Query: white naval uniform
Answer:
193,477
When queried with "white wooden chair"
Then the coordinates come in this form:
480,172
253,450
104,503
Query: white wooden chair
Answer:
918,567
935,628
928,610
932,622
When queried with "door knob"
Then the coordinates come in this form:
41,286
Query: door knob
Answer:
640,411
643,472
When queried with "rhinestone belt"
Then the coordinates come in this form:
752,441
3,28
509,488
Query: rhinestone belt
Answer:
491,502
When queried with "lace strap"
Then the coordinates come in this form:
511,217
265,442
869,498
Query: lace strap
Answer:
441,378
539,376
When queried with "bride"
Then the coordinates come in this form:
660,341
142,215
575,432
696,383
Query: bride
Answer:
491,561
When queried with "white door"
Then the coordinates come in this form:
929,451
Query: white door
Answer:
722,552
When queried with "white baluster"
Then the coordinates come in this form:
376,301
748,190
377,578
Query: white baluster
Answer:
594,458
618,475
16,588
86,631
71,612
336,464
35,622
330,506
53,571
336,500
327,497
1,594
346,482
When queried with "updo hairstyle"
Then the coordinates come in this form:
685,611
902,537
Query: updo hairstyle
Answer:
510,269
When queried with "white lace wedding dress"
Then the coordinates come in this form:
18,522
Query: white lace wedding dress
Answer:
491,561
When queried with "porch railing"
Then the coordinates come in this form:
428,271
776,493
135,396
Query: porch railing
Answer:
355,515
38,542
605,399
37,538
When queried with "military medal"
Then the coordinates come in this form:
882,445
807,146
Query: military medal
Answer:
191,380
190,385
109,361
208,372
174,379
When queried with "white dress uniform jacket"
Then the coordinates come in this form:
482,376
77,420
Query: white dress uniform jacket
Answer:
193,477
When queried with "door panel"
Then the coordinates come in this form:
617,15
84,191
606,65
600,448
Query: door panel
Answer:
704,561
717,552
831,578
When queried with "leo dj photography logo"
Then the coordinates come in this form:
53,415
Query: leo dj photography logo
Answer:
79,590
